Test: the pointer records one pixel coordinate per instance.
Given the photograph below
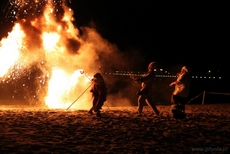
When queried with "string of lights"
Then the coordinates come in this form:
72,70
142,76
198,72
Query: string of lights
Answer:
160,74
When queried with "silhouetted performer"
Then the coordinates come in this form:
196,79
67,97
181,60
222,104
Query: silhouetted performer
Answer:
146,80
99,93
180,93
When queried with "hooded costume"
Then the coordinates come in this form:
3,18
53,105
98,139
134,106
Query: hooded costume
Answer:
99,93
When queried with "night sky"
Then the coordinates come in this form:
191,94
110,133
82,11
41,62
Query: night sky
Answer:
193,33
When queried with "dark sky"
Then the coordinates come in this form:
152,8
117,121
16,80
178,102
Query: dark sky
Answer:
194,33
190,32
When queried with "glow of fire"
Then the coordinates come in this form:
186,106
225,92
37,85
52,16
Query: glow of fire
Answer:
64,85
10,48
61,86
50,40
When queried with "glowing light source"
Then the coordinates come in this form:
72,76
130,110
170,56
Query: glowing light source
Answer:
50,41
38,46
13,45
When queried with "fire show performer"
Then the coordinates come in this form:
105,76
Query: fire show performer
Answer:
180,93
147,81
99,93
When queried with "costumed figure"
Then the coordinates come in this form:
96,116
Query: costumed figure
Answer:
99,93
146,80
180,93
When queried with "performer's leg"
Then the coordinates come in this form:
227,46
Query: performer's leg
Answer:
91,110
93,106
141,102
152,105
183,103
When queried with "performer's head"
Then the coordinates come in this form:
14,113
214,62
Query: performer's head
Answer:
152,65
184,69
98,78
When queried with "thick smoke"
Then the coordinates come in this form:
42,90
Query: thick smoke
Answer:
52,21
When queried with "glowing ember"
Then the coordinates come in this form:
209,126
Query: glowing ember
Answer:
23,8
45,46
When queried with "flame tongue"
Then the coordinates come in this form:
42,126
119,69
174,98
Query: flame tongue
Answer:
10,49
61,88
49,41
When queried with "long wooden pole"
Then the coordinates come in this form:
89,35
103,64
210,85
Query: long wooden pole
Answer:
79,96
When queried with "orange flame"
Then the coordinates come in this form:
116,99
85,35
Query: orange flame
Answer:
56,46
61,87
10,49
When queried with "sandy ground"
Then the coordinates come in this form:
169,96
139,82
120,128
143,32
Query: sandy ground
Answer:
205,129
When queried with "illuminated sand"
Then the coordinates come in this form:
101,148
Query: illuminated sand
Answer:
120,130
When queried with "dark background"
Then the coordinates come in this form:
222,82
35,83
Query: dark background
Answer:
194,33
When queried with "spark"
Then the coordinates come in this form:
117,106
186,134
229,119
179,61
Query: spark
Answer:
22,9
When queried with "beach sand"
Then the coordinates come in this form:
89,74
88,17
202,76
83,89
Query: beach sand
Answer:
120,130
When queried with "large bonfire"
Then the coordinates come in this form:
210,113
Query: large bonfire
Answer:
48,52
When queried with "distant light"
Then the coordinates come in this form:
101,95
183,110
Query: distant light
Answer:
161,69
